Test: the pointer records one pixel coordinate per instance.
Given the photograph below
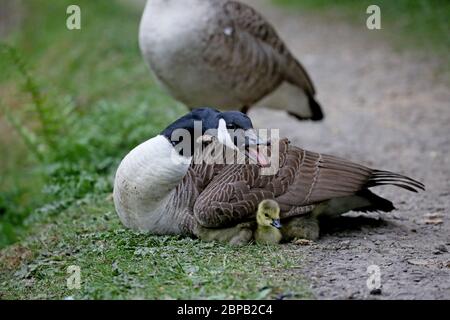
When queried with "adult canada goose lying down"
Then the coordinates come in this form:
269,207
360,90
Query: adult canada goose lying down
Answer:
159,191
223,53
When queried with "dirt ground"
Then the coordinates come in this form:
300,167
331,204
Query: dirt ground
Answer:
389,110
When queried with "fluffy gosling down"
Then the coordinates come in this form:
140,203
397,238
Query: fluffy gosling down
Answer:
268,219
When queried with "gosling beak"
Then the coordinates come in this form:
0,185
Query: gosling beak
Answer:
276,223
252,142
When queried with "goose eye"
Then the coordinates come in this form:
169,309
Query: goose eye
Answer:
231,126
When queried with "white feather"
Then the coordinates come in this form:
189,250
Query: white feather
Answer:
224,136
145,185
170,40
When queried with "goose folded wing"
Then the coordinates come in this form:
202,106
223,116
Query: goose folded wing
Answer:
323,177
229,199
264,38
304,180
234,194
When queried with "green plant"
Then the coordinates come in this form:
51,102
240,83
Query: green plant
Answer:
78,102
117,263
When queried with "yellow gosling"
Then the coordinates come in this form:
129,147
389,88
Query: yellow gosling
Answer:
268,219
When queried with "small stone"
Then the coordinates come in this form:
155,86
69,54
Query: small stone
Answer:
419,262
376,292
442,248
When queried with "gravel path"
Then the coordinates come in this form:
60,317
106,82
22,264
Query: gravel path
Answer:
388,110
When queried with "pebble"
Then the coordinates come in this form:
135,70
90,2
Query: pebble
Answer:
376,292
442,248
419,262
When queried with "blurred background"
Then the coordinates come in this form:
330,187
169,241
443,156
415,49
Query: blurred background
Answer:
72,103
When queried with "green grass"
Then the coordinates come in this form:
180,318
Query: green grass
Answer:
78,101
119,264
420,24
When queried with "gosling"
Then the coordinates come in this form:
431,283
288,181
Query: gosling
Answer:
268,219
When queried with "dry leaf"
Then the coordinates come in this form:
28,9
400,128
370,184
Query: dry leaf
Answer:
303,242
434,221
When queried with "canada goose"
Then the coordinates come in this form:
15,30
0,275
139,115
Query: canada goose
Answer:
161,191
268,219
223,53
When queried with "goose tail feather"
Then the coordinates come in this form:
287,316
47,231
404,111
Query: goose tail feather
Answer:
381,178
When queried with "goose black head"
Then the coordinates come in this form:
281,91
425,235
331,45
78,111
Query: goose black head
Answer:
232,129
206,118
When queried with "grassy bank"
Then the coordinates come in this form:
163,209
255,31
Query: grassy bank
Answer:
73,103
118,264
420,24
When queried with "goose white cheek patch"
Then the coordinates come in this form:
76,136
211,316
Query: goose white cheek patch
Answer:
224,136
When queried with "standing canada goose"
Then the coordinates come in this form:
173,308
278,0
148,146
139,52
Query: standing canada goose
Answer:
268,219
223,53
161,191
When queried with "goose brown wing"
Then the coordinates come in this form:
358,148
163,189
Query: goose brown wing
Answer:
263,39
234,193
305,178
323,177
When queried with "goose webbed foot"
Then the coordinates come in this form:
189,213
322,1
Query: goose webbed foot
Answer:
240,234
303,227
